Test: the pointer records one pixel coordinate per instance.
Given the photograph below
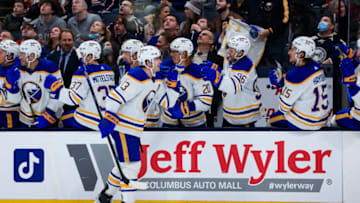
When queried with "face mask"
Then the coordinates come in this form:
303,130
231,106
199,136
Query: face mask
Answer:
94,36
322,26
107,51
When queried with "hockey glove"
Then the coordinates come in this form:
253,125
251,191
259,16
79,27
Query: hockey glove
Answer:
276,78
11,80
212,75
353,90
108,123
46,119
164,71
55,85
349,52
347,69
182,109
211,65
172,80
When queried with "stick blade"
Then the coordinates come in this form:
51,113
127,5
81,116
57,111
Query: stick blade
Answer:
139,185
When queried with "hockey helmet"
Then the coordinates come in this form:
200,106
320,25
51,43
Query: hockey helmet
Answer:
29,47
90,47
11,48
182,44
239,43
132,45
148,53
304,44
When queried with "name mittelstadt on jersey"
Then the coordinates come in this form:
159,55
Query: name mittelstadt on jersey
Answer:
103,78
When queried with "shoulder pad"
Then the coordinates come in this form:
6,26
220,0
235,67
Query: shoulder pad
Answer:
138,73
193,70
298,75
47,66
244,64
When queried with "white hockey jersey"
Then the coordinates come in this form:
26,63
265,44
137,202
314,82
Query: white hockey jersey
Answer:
241,95
304,97
132,98
102,80
4,104
34,97
198,91
355,110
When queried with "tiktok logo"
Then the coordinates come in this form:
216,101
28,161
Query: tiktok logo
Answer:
28,165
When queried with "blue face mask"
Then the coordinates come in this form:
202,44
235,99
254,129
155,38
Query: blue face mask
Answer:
94,36
322,26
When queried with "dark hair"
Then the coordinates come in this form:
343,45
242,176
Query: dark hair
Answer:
68,31
168,37
50,42
307,61
331,18
173,15
156,20
22,2
54,6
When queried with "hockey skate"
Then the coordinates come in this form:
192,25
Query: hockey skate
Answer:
103,197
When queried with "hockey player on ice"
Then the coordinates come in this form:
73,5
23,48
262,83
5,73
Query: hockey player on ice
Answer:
9,112
195,93
125,117
304,99
238,82
37,108
102,81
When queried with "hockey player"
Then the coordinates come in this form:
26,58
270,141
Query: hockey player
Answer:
349,117
128,56
195,93
304,100
125,117
36,106
9,112
238,82
101,79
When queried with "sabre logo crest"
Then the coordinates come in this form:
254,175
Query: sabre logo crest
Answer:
28,165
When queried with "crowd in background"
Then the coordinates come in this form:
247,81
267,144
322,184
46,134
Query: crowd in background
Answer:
61,26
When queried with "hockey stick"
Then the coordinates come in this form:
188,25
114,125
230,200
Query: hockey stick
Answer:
135,184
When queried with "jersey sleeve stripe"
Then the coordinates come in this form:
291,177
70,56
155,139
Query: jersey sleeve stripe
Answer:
234,83
114,99
193,120
124,147
242,108
119,94
283,102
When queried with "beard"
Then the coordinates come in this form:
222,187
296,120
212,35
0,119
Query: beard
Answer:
220,10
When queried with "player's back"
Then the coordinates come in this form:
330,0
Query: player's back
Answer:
102,81
304,97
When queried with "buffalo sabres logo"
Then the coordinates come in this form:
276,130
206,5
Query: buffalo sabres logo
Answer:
183,93
320,55
31,91
147,100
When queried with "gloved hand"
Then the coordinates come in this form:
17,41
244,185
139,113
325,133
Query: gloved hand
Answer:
349,52
11,80
108,123
212,75
178,68
276,78
164,71
353,89
211,65
348,71
182,109
55,85
172,80
46,119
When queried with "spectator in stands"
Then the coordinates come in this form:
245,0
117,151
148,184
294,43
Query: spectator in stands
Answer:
27,32
4,35
53,40
14,20
156,22
201,25
354,24
303,19
193,9
134,25
171,26
98,32
47,20
325,39
223,8
119,33
80,23
206,50
273,15
34,9
100,6
163,44
66,57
